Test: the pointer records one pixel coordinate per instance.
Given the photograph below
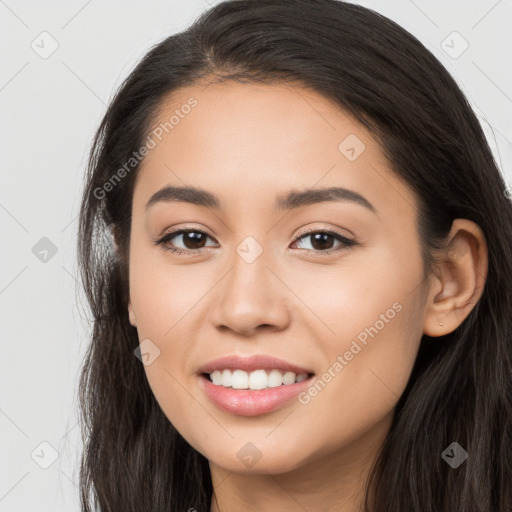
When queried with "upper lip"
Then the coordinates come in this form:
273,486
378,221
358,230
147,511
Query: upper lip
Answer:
256,362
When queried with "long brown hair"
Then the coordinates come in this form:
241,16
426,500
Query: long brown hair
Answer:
460,387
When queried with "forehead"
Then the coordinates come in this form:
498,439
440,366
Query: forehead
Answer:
250,142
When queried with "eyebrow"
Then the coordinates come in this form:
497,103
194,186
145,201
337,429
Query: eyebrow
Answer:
291,200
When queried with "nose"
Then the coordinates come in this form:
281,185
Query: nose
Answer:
251,297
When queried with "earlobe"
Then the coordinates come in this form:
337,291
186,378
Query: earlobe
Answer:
460,279
131,314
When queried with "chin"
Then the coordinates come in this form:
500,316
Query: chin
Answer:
258,463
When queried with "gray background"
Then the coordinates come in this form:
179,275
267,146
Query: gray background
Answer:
50,108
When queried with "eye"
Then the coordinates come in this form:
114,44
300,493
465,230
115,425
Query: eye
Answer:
194,240
322,241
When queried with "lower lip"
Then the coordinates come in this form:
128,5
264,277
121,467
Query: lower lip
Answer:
247,402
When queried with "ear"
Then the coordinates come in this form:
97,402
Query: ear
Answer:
131,314
459,281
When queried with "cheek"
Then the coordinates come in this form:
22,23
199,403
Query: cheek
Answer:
164,296
369,326
162,293
172,391
365,296
359,387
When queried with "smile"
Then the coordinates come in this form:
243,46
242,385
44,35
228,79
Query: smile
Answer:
253,402
258,379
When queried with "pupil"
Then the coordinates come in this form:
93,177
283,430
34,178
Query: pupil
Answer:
194,238
321,237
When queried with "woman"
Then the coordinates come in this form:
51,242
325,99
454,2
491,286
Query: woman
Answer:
295,243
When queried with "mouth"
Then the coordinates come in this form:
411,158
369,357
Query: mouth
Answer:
252,385
263,378
243,400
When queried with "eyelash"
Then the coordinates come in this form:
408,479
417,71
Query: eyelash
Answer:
346,242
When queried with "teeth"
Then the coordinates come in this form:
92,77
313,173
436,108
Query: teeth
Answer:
239,380
275,379
257,379
225,378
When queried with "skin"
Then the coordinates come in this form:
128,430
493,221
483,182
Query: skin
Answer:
249,144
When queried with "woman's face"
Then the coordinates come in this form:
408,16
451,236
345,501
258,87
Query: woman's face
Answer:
256,284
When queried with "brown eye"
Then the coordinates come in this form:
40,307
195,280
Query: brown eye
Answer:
324,241
192,240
